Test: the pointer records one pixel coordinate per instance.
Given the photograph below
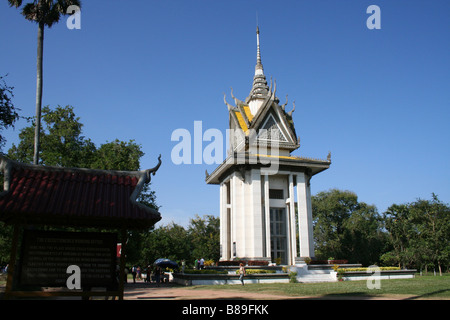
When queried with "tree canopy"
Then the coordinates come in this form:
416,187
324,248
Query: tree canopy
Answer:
199,240
345,228
411,235
8,112
419,234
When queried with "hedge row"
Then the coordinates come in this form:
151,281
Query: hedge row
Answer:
229,263
365,269
204,271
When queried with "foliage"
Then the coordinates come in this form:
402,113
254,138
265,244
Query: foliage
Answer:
238,261
171,242
174,242
118,155
209,263
256,271
204,271
344,227
343,270
205,237
62,142
8,113
418,233
46,12
292,277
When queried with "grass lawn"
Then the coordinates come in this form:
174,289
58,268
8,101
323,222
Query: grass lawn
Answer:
420,287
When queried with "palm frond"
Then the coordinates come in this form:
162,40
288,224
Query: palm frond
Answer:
46,11
63,5
15,3
30,12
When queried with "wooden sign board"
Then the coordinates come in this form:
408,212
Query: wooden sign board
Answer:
47,255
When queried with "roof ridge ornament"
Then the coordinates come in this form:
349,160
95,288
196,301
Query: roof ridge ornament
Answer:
230,107
236,100
285,104
152,171
293,109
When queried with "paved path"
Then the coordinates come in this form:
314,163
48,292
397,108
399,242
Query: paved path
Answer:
169,291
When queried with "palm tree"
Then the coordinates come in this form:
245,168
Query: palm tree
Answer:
44,13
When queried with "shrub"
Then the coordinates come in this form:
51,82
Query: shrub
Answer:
208,271
209,263
293,277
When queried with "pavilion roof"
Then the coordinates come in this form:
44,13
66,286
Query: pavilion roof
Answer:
46,195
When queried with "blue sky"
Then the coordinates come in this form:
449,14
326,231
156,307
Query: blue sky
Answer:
379,100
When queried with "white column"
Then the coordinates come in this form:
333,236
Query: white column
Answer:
267,214
242,245
257,222
233,213
292,225
222,224
304,217
310,218
224,232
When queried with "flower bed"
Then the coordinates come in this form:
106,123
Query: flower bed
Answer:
256,271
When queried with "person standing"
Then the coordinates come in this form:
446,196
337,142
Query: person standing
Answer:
241,272
133,272
147,275
157,275
138,271
183,265
202,263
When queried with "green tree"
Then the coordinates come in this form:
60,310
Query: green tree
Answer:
8,113
199,240
396,220
45,13
118,155
363,240
418,232
205,237
62,141
330,211
171,241
345,228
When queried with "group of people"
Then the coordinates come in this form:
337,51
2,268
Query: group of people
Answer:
199,264
152,273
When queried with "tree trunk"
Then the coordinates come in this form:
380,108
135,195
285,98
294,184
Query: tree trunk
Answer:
40,49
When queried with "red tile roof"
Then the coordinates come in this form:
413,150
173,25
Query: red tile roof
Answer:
37,194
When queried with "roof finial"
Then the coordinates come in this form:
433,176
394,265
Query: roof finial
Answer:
260,89
258,51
